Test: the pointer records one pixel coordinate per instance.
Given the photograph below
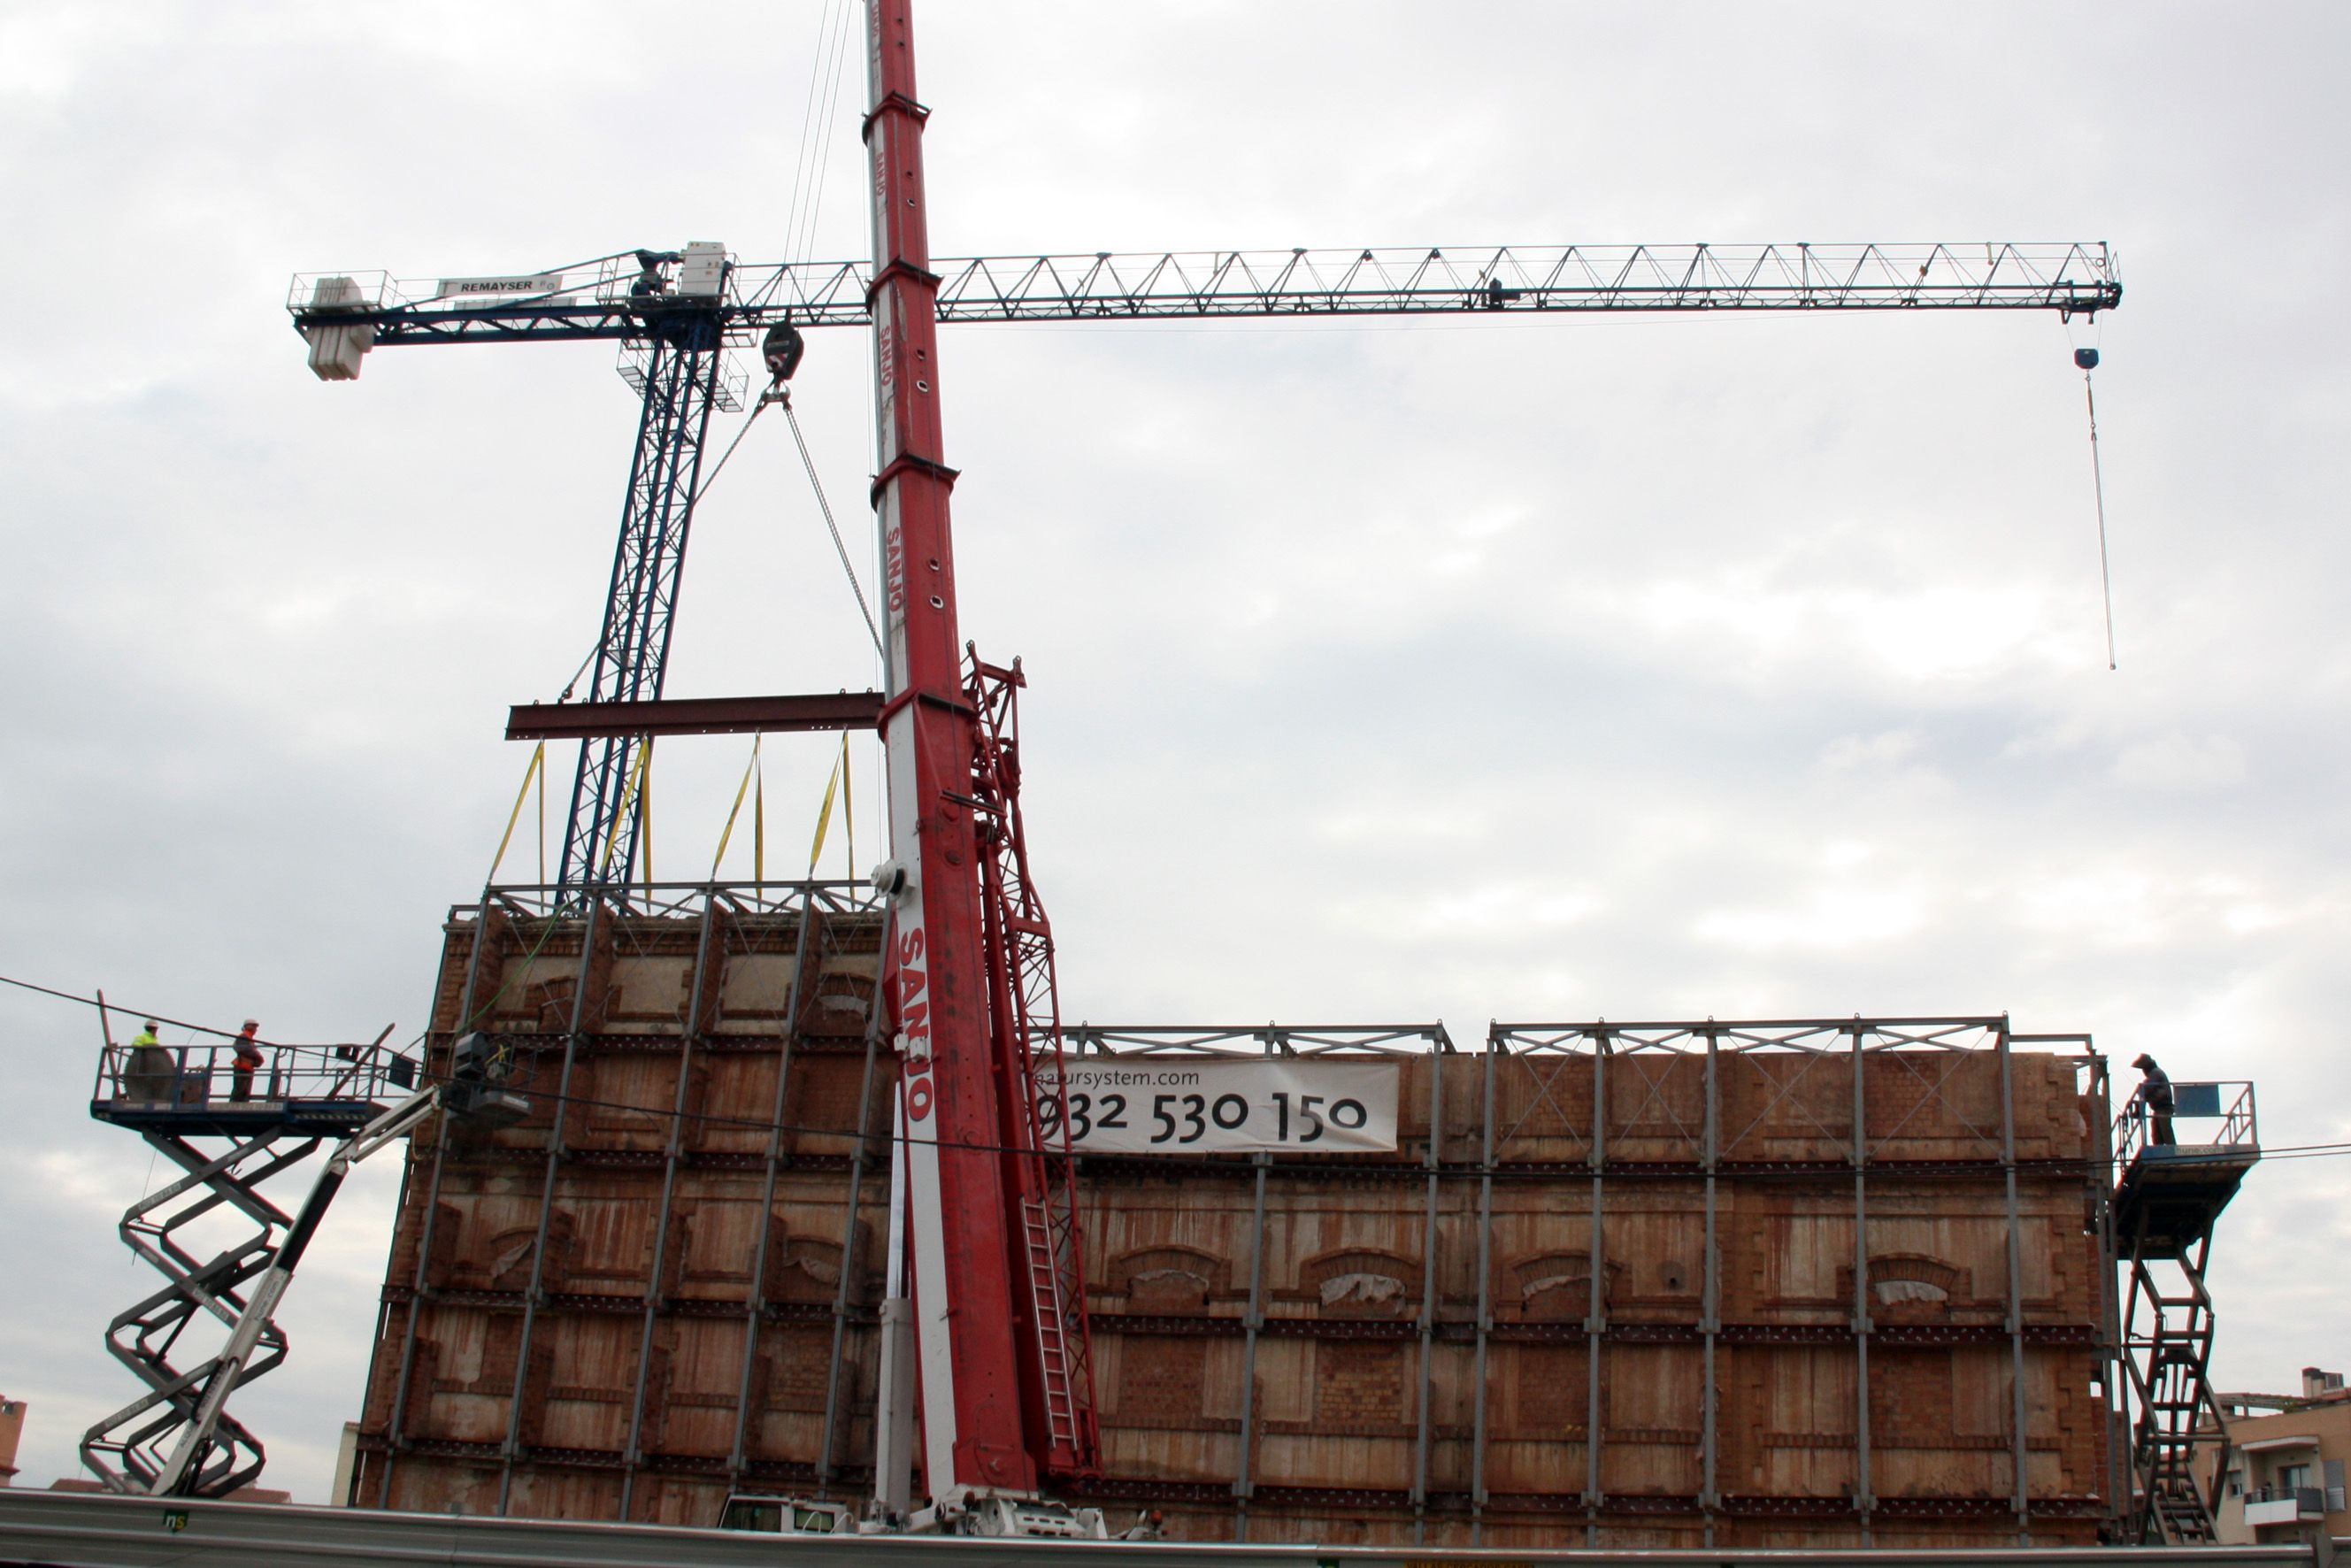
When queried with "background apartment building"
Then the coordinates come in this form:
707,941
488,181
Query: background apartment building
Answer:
2285,1479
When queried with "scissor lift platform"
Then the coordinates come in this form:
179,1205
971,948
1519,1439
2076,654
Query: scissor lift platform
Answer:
2165,1204
212,1232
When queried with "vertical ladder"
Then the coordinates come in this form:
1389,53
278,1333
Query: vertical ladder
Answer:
1052,1341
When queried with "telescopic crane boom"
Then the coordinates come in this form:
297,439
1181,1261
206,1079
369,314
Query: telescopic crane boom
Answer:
985,1277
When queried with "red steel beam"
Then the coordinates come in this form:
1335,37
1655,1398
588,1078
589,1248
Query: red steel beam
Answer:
694,716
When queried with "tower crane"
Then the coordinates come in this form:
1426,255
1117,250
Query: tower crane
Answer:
991,1237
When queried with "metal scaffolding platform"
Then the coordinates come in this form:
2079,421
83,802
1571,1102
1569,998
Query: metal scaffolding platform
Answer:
2165,1206
212,1232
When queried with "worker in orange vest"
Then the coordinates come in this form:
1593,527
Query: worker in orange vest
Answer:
248,1056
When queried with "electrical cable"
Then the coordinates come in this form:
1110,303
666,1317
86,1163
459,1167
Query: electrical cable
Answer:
1229,1163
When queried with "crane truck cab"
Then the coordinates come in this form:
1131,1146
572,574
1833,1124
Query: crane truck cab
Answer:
770,1515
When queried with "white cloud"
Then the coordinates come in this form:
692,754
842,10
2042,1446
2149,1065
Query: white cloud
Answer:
2175,762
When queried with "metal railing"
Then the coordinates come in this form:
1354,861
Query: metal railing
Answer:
2222,1110
209,1077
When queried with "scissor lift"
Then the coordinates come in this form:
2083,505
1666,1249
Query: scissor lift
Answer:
186,1101
2165,1206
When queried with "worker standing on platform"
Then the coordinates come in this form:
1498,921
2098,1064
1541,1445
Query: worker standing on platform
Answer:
148,1075
248,1056
2154,1099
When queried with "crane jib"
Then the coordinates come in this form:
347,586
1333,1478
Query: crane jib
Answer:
2070,279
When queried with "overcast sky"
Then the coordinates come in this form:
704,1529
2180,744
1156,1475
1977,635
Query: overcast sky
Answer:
1461,669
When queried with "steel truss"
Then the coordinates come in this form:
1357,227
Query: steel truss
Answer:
1025,1017
593,300
193,1110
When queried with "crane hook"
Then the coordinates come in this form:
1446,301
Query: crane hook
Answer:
782,350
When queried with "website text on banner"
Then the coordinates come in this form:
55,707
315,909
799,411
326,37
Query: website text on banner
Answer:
1166,1106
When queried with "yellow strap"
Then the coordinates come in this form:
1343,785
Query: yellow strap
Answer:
645,814
736,809
848,809
628,802
824,818
542,817
760,828
516,816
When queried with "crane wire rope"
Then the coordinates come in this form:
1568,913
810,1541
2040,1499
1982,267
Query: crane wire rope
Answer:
831,525
2098,487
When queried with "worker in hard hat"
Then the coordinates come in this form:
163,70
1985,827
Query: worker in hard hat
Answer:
2153,1100
149,1073
248,1056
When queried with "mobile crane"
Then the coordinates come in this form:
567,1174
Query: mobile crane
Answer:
984,1195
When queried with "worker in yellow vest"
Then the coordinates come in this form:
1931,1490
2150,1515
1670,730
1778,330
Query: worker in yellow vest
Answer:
149,1075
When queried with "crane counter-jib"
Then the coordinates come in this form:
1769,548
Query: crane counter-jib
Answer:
605,300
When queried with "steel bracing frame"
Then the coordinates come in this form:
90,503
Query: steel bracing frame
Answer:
509,926
1902,1052
1906,1063
593,300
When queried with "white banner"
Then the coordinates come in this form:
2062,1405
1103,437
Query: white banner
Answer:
1168,1104
533,283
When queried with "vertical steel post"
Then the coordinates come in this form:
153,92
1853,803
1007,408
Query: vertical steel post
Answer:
2100,1180
1710,1312
755,1305
1596,1322
973,1424
1485,1301
511,1448
842,1289
632,1455
1863,1502
1251,1325
2017,1455
1428,1298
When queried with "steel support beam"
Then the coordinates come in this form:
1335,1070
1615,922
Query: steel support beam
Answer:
694,716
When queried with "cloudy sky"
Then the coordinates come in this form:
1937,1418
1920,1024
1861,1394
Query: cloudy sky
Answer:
1475,669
